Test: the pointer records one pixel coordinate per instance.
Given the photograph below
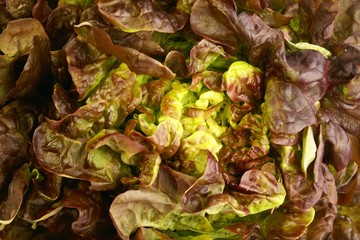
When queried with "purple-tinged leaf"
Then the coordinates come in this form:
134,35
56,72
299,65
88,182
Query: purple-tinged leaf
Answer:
141,16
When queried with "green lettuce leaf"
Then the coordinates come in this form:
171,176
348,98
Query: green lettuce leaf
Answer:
243,82
189,153
259,191
287,224
167,136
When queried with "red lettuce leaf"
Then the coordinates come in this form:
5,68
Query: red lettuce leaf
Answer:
86,65
69,157
119,90
273,18
143,15
346,225
287,223
45,190
243,83
64,103
345,65
263,43
41,10
322,225
317,17
141,41
6,81
13,200
136,61
176,62
173,183
346,24
305,190
17,38
346,183
36,68
216,21
211,183
341,147
291,105
203,55
13,150
60,24
244,148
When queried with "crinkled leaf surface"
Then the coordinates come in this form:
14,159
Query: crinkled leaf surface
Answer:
14,198
243,83
133,17
69,157
288,224
127,210
298,99
87,65
136,61
17,38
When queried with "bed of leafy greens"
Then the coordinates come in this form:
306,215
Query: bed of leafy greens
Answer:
188,119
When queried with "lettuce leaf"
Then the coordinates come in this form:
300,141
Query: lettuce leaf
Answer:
144,15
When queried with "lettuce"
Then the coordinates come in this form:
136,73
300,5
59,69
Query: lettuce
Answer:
188,119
